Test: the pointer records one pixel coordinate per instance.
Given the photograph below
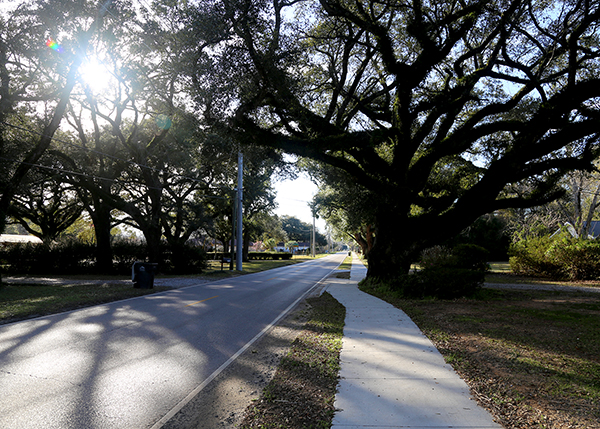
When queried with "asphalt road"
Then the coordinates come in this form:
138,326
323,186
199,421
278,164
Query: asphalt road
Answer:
132,363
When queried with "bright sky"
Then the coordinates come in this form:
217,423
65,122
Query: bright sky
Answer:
293,197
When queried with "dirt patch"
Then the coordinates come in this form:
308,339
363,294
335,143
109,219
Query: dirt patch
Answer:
342,275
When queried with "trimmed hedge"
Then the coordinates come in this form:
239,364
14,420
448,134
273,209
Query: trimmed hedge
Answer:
449,273
184,259
269,255
217,256
74,257
71,257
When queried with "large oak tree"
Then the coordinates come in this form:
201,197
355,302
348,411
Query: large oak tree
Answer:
438,108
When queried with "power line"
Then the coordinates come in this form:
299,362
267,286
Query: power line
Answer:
100,153
91,176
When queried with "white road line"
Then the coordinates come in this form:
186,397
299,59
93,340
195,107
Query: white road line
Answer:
229,361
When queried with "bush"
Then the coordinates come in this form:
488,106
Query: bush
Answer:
74,257
470,257
444,283
560,257
217,256
125,253
65,256
448,274
183,259
445,274
269,255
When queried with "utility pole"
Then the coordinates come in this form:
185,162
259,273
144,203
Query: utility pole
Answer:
313,237
240,187
233,230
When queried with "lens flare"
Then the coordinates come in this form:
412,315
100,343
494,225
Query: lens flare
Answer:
53,45
163,122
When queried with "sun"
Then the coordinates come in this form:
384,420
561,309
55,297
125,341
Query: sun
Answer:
96,75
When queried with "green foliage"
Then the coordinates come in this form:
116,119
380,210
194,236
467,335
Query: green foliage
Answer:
469,256
75,257
269,255
23,301
298,231
445,274
125,253
558,257
489,232
390,96
67,256
255,256
182,259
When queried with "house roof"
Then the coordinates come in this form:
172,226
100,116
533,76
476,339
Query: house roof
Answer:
14,238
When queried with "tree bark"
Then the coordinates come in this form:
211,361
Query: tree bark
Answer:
395,244
102,226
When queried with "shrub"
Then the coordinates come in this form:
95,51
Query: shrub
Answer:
435,256
558,257
470,257
445,283
74,257
125,253
445,273
530,257
255,255
448,273
581,260
62,257
183,259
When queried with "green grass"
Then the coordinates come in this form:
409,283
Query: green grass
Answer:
18,302
347,264
255,266
500,272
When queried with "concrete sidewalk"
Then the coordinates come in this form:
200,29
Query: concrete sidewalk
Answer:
391,374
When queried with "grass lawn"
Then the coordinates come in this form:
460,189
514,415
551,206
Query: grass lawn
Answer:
22,301
214,267
531,357
500,272
346,265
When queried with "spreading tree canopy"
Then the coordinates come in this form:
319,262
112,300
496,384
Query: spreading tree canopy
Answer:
439,108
